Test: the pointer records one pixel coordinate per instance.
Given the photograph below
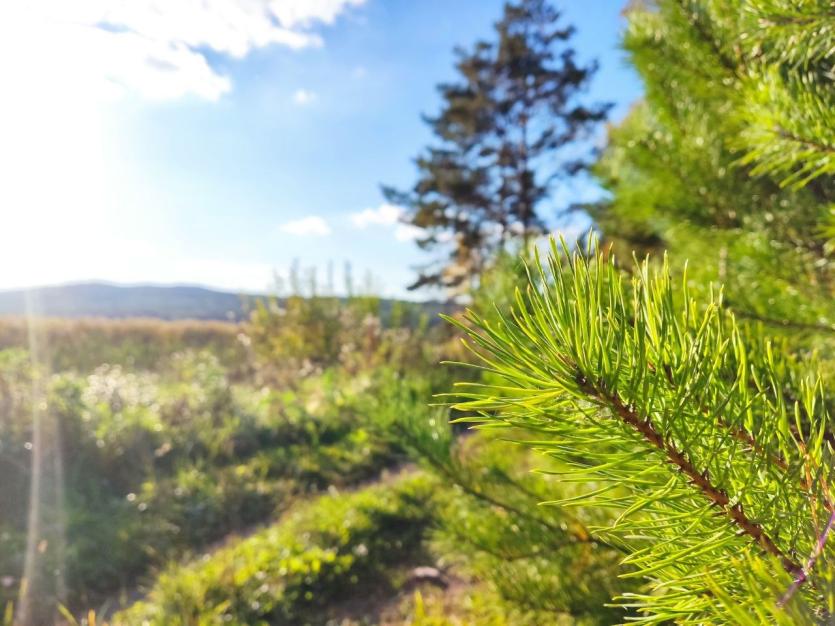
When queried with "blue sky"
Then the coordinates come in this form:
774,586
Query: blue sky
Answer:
214,152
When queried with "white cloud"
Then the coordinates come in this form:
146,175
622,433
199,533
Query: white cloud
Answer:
313,226
156,48
383,215
304,96
293,13
386,215
407,232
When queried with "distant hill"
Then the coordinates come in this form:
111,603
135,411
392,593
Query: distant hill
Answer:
108,300
122,301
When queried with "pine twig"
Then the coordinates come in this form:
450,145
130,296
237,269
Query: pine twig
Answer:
700,480
803,575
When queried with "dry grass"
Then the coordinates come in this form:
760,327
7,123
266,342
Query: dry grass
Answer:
85,343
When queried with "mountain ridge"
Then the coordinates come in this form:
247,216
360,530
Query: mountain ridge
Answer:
115,300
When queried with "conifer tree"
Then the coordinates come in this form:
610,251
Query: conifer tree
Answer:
729,158
498,133
692,401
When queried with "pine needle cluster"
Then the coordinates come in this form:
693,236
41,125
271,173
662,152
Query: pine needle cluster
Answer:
716,473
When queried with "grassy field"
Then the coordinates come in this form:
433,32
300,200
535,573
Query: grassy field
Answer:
174,438
145,344
270,472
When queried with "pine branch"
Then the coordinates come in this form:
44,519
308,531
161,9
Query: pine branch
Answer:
818,146
699,479
482,546
707,37
446,470
738,433
600,375
803,575
783,323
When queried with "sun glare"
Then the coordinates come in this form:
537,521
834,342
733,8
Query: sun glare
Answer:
54,176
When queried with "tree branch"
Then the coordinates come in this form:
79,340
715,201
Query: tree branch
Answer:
700,480
803,575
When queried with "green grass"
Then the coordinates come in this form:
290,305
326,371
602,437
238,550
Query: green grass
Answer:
161,464
329,549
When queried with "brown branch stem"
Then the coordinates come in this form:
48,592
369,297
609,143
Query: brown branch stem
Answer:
738,433
803,575
782,323
817,145
579,536
700,480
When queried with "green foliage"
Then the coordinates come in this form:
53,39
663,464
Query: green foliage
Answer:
729,158
306,333
490,525
539,559
321,552
160,464
498,282
474,604
790,123
665,415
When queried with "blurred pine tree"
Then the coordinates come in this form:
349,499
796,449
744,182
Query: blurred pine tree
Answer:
501,133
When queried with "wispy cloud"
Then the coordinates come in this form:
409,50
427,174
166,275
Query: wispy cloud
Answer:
383,215
158,48
407,232
311,226
386,215
304,96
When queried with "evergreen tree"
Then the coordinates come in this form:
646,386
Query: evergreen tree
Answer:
689,401
499,130
730,157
